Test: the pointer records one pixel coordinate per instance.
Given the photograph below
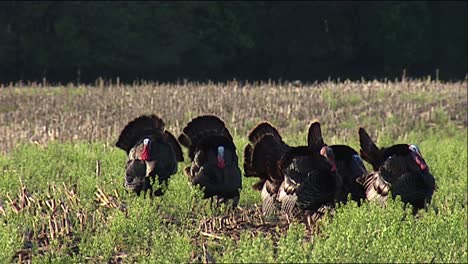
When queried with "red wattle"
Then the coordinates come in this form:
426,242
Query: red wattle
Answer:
221,163
421,163
145,153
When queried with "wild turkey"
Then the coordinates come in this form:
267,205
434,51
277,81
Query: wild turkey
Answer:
400,169
214,160
261,159
296,179
348,163
151,151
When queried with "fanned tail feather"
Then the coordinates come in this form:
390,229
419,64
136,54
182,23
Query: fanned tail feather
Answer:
288,204
269,205
320,213
314,137
259,185
293,153
138,128
200,128
261,156
266,156
261,130
261,159
249,170
175,145
377,188
369,151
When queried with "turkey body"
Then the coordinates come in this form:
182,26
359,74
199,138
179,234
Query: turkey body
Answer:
349,165
261,159
214,165
400,169
309,181
292,179
152,154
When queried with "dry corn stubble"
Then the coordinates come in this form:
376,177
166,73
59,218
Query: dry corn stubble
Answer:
60,218
98,113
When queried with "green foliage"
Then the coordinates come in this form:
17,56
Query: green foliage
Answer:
249,250
374,234
10,239
171,246
81,41
71,163
165,229
293,247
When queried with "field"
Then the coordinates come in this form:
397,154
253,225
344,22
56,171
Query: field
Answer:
61,177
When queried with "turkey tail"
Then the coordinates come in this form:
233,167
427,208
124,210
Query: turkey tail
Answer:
262,155
266,156
257,136
261,130
320,213
169,138
289,204
294,152
200,128
259,185
369,150
249,170
314,137
138,128
377,188
269,202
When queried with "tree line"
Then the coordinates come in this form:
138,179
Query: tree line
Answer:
170,40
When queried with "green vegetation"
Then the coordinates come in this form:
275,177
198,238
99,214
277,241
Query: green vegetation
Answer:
165,229
62,197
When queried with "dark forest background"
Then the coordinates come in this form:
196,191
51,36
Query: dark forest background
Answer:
167,41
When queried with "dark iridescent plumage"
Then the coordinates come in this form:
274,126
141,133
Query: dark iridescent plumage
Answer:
214,160
309,180
151,151
292,179
261,159
399,168
348,163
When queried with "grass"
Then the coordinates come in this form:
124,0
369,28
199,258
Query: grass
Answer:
62,198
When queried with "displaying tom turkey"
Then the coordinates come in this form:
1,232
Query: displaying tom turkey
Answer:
261,159
292,179
214,164
349,164
400,169
151,151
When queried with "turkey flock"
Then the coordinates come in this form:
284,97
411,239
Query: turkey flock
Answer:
292,180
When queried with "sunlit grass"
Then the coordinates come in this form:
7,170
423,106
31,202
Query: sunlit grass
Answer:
61,181
143,230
